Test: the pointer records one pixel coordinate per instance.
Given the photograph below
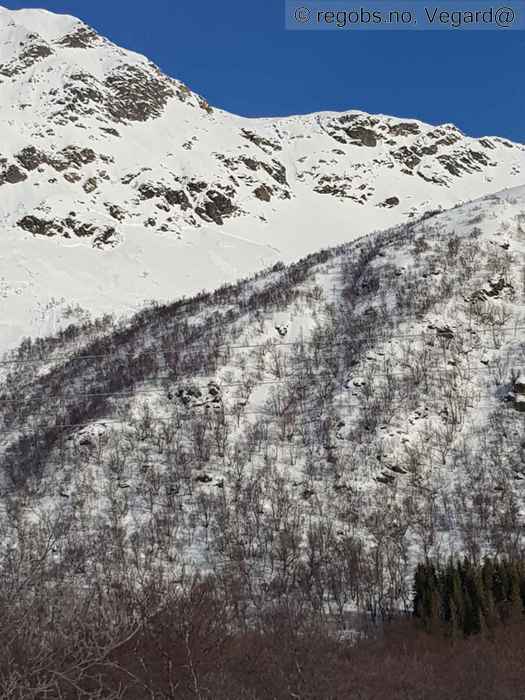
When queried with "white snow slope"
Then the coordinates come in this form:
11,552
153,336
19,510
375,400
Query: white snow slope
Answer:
118,184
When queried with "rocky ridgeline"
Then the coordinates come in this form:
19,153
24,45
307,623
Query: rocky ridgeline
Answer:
102,132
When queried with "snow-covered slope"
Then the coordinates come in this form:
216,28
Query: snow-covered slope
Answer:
119,184
361,408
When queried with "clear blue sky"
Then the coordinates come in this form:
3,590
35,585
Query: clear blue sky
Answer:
239,56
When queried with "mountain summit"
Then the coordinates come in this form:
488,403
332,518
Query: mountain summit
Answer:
119,184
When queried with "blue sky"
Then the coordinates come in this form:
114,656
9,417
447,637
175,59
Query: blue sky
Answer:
239,56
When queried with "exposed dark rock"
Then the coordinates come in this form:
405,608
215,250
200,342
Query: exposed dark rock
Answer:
385,479
487,143
27,57
83,95
82,38
216,208
90,185
478,157
451,164
110,131
137,95
189,394
150,190
214,389
407,156
349,118
390,202
105,239
224,204
72,177
82,230
251,163
39,227
277,171
431,178
203,479
361,136
177,197
495,289
429,150
404,129
397,469
128,178
30,158
265,144
263,193
12,175
73,155
116,212
445,332
68,226
197,186
339,187
444,137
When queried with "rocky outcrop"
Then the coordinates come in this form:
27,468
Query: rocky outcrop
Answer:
136,95
70,226
81,38
171,196
11,174
107,238
216,207
265,144
263,192
192,396
355,130
404,129
390,202
115,211
32,158
39,227
408,156
493,290
27,57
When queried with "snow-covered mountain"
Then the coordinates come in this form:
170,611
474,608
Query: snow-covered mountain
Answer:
338,420
119,184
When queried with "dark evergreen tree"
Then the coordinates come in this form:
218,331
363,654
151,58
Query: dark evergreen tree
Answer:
465,598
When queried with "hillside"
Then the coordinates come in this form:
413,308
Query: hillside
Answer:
118,184
309,432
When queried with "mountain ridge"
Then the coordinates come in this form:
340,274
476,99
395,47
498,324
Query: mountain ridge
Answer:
118,184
